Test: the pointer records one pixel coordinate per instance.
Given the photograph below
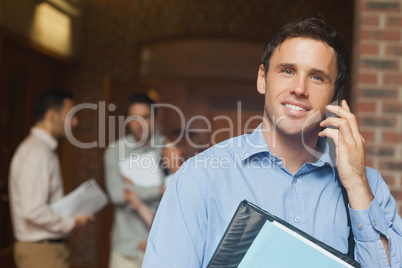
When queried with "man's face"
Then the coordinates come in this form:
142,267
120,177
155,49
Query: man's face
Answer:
61,118
140,121
299,84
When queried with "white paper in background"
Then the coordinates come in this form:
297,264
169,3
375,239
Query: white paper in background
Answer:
143,170
86,199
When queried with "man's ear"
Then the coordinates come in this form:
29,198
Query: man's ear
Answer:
261,79
50,116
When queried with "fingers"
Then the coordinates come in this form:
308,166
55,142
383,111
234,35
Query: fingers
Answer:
82,220
346,124
346,121
343,127
130,196
127,191
331,133
128,181
90,218
352,120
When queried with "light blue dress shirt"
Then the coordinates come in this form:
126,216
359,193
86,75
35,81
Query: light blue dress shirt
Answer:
204,194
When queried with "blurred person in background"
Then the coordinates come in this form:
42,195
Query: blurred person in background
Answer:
133,170
35,183
176,151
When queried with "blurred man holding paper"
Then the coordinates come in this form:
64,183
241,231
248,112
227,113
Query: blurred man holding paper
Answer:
35,183
132,168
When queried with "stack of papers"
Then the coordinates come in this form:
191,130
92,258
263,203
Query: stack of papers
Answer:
256,238
86,199
142,171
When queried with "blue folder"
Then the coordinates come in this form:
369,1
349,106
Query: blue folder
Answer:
255,238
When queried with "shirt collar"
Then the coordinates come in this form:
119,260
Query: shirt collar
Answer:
45,136
256,144
327,156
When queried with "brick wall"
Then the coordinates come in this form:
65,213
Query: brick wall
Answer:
378,86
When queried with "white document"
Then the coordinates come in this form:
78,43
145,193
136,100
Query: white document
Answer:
275,243
142,170
86,199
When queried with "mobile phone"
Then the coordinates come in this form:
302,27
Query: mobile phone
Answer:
329,114
330,141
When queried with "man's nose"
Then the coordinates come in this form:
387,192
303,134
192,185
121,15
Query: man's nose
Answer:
300,87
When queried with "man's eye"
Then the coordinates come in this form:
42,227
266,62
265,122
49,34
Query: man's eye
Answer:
316,77
287,71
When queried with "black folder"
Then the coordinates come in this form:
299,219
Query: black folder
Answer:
245,240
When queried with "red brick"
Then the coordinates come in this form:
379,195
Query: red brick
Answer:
368,135
394,21
393,50
368,78
369,49
393,79
369,163
396,193
365,106
393,108
392,137
371,20
390,179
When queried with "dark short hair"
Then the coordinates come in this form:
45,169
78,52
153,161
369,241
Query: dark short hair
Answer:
138,98
319,30
51,98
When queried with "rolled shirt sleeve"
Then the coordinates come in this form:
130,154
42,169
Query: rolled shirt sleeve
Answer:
381,218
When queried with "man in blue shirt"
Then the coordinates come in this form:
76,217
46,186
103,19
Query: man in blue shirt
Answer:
284,166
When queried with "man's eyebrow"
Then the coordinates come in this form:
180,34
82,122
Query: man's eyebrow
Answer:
321,72
284,65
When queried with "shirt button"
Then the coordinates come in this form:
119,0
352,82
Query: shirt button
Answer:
360,226
374,223
297,219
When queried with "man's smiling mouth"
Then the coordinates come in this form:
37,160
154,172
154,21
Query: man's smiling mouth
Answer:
294,107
